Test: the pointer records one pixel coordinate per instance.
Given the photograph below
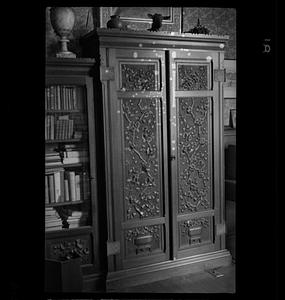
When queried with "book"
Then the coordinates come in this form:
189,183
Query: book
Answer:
72,189
52,98
86,186
52,129
73,153
51,188
58,97
77,187
57,187
70,129
46,191
74,98
66,190
74,160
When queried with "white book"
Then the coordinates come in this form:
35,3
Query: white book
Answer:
57,187
83,153
71,182
72,160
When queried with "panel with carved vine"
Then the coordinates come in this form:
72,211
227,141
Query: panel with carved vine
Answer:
194,232
139,77
192,77
141,136
143,240
193,155
67,248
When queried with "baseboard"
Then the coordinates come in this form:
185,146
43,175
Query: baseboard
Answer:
164,270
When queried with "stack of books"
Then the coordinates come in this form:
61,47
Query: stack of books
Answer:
77,218
75,156
52,220
52,159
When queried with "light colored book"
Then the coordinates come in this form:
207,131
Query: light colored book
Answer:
66,190
57,187
46,191
72,189
77,187
51,188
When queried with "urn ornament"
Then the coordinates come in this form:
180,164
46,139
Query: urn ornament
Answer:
62,20
115,22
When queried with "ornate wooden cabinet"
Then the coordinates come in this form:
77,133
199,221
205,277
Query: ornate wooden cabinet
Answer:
163,126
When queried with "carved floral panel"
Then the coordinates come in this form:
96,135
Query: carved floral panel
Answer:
192,77
193,155
194,232
143,240
70,247
139,77
141,157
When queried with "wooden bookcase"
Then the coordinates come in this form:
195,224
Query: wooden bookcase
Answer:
70,160
162,117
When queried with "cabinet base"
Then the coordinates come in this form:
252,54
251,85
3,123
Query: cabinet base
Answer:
167,269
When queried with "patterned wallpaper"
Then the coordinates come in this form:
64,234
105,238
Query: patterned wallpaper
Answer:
221,21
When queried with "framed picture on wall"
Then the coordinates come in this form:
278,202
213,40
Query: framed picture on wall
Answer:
233,115
137,17
230,84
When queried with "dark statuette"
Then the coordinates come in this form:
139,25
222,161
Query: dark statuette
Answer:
157,21
199,29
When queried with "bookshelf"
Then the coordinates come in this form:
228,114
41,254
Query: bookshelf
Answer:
71,214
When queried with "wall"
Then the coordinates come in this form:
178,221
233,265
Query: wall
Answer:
221,21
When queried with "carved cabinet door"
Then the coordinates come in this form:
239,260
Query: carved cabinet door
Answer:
195,138
139,157
164,196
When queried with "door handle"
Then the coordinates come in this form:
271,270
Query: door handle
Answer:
172,157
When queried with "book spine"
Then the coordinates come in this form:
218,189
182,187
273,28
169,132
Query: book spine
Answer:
46,127
66,190
59,106
72,189
51,188
52,127
46,190
77,187
74,97
68,96
52,97
57,187
86,186
70,129
66,123
48,97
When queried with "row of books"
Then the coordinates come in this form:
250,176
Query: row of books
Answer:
61,97
58,128
62,186
70,157
54,222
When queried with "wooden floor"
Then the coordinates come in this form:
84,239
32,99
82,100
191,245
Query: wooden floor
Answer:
192,283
